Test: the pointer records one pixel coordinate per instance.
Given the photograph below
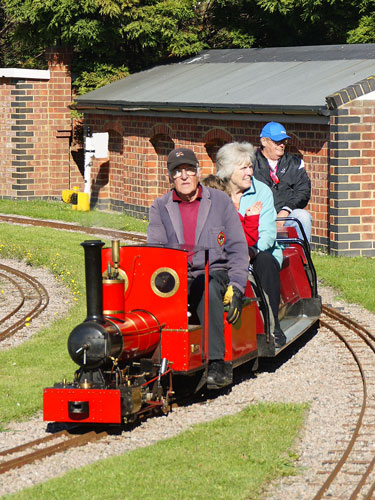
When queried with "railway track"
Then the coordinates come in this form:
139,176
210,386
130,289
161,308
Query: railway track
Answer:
98,231
350,470
32,451
24,299
30,296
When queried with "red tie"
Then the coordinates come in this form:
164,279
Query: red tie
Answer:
274,176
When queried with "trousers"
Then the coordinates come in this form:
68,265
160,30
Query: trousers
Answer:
306,220
268,271
218,283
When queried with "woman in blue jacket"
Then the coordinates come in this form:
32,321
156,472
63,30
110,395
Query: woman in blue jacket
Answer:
234,162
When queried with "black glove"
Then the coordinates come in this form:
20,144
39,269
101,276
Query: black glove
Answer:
253,252
233,298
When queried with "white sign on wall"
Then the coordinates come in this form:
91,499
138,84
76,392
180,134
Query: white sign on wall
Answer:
100,144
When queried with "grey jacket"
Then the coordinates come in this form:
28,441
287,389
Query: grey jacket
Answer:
219,229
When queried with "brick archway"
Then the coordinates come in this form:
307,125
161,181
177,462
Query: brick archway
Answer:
213,140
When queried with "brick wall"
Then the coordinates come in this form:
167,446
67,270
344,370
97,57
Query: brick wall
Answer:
134,174
36,131
9,172
352,179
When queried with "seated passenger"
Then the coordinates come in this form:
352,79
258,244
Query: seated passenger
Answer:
196,215
285,174
250,221
234,162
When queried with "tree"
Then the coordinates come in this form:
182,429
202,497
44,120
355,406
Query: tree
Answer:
115,33
112,37
280,23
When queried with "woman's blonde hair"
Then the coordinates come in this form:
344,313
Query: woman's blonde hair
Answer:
233,155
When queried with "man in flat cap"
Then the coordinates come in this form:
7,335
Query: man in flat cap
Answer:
285,174
197,216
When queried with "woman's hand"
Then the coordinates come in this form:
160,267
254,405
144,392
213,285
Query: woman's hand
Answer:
254,209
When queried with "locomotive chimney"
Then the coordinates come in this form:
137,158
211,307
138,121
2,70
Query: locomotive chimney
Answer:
93,271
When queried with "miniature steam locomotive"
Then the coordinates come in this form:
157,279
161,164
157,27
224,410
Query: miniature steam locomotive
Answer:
140,344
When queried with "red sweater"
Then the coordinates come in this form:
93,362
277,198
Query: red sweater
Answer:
250,225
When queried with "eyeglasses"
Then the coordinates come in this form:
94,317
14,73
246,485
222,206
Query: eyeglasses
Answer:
190,172
283,141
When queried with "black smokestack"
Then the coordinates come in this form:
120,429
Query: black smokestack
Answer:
93,271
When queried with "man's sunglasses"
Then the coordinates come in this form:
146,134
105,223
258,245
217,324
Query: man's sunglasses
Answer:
283,141
190,172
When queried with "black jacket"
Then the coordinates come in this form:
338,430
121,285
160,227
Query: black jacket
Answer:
294,187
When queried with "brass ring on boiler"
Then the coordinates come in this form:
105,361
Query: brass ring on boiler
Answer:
176,280
111,312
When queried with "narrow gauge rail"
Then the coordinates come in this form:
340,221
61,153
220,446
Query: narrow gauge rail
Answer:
361,483
32,299
100,231
353,475
38,449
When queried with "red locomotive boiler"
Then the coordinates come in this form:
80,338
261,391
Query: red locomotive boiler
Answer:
140,343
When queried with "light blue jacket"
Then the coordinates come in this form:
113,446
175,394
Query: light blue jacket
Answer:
258,191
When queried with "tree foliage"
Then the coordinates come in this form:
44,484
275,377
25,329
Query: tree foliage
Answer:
102,74
130,33
109,36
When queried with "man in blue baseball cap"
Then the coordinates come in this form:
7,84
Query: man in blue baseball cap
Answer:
285,174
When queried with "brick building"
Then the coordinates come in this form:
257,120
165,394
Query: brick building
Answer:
325,96
35,129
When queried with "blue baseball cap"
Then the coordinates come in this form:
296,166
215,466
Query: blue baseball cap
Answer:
274,131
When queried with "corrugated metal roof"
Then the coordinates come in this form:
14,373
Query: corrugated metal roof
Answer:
298,78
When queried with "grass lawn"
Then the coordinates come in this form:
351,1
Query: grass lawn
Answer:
229,458
352,277
58,210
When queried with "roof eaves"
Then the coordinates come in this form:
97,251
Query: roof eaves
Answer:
129,107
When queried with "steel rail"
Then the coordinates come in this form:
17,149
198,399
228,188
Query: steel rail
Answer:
349,323
364,334
353,439
111,233
36,310
22,295
32,456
